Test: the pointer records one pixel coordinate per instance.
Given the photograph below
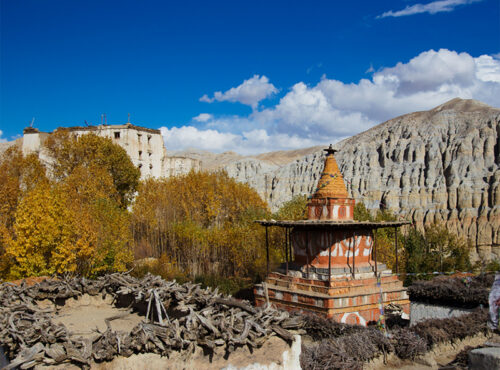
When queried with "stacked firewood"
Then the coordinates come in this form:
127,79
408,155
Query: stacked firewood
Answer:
466,291
176,318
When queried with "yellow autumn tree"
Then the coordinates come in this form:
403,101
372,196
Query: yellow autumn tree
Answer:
44,234
70,152
202,222
101,225
18,175
74,221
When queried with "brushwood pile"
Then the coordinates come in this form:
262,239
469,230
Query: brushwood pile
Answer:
465,292
178,317
341,346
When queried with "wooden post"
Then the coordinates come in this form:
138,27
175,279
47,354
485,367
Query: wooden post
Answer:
396,245
354,256
375,253
267,251
287,239
330,264
307,253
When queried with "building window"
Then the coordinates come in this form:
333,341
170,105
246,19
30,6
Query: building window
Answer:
149,139
117,134
139,166
150,166
139,137
150,153
140,154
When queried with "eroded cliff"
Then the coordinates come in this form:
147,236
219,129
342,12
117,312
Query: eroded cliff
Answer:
440,165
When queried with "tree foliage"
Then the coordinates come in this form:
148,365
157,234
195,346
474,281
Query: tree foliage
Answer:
203,222
434,249
294,209
71,152
73,220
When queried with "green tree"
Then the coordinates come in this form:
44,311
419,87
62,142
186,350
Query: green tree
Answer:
437,249
294,209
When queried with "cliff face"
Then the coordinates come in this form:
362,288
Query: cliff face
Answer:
440,165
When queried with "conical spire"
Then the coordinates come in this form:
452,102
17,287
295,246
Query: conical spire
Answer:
331,184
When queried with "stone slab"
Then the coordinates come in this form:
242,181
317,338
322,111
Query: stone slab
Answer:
424,311
484,359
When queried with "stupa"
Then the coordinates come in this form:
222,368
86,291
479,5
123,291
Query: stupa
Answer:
333,270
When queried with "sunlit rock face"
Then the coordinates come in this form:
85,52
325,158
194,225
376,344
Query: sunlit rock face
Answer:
440,165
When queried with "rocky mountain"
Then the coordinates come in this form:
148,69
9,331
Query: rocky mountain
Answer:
440,165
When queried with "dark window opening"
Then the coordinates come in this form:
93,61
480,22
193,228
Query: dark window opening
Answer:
117,134
149,139
150,166
140,153
140,166
139,137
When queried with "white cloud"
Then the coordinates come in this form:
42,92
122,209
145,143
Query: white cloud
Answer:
431,78
430,8
488,68
247,142
203,117
2,140
250,92
332,110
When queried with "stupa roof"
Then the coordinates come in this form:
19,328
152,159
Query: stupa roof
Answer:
334,224
331,183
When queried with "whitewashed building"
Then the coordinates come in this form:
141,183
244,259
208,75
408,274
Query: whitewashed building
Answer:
144,146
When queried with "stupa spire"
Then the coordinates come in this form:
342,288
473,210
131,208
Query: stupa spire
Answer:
331,183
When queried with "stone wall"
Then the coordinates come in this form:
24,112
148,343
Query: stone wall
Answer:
424,311
177,165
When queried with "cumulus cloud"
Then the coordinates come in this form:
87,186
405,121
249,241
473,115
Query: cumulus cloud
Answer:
246,142
203,117
250,92
431,78
2,139
332,110
430,8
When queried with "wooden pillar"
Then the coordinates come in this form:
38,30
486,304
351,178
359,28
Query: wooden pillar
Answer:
396,246
307,253
330,263
267,251
375,253
354,256
287,240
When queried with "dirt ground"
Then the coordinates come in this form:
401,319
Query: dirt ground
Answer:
270,352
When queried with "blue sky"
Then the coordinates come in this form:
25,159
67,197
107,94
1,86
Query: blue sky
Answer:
243,76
